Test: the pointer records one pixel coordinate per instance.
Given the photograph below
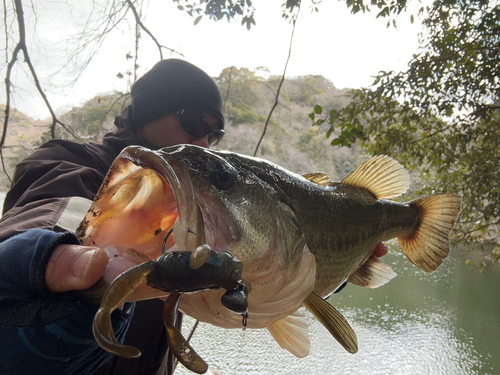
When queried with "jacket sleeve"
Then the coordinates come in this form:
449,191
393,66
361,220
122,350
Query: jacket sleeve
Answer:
44,182
43,332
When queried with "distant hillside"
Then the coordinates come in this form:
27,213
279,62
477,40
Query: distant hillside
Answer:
22,133
290,140
90,122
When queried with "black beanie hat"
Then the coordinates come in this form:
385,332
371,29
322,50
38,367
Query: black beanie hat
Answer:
171,85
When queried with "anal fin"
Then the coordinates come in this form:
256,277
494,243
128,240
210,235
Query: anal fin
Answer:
372,274
291,333
333,321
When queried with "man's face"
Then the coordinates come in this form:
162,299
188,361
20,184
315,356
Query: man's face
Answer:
167,131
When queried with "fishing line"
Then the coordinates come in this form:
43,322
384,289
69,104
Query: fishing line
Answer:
165,240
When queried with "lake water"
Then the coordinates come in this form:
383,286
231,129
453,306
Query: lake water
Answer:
444,323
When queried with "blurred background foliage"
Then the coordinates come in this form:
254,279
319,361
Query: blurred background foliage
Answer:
441,117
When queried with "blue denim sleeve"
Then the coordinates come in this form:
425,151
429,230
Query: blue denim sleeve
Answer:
43,332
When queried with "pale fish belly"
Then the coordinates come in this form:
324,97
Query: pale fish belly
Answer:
275,294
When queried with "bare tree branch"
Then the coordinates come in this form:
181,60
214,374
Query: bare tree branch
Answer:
139,22
120,97
92,36
280,84
100,22
467,234
228,89
6,31
136,55
7,106
55,121
22,43
21,46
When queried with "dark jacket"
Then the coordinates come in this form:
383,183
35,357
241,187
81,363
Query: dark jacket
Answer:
43,330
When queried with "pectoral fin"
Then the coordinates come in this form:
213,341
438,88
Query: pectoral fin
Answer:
291,333
372,274
333,321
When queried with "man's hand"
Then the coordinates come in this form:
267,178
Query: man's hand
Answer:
380,250
75,267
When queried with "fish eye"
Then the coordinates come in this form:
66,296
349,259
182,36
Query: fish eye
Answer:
221,176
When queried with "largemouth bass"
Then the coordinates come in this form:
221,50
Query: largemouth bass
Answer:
299,237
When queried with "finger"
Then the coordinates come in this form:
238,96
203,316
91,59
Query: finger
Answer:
74,267
380,250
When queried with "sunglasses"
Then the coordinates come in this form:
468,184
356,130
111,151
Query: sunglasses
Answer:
196,125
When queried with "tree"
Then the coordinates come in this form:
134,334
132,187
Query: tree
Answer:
236,85
95,21
100,18
442,115
229,9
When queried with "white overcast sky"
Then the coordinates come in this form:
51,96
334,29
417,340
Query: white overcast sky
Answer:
346,49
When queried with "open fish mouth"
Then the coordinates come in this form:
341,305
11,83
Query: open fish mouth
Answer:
142,199
146,214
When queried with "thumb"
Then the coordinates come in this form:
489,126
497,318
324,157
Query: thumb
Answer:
75,267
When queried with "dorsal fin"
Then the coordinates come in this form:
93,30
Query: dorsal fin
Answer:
291,333
383,176
319,178
372,274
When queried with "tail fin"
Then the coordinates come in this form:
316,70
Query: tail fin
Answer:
429,243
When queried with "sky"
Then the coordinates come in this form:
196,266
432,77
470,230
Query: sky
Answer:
346,49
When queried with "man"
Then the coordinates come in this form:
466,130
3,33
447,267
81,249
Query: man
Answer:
42,330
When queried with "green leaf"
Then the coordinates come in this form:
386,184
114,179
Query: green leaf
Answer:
198,19
449,39
318,109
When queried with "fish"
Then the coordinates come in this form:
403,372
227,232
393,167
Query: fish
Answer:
300,238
